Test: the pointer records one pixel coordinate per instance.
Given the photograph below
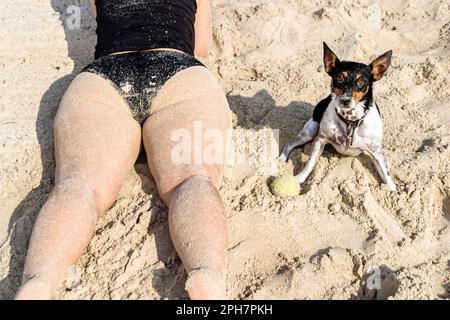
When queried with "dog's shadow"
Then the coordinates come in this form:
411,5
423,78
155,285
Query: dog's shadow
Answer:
261,110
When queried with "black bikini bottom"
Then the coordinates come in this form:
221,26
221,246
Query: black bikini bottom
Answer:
138,76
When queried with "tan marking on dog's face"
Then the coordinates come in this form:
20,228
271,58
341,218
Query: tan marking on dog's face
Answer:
337,91
357,95
342,78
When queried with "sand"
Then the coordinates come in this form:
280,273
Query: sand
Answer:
344,237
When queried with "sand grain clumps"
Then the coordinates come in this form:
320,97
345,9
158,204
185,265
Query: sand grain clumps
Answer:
345,237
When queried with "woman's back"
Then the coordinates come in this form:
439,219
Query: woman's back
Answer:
129,25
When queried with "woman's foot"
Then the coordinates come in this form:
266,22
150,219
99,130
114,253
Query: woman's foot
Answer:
205,284
34,289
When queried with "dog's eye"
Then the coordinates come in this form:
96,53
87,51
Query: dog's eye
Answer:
361,83
339,81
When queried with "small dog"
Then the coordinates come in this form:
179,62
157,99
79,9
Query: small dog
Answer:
348,118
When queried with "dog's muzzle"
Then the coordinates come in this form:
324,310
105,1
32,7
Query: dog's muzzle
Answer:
345,99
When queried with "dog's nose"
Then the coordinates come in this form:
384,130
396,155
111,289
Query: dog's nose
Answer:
345,98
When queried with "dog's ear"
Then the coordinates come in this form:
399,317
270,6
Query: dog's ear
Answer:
330,60
380,65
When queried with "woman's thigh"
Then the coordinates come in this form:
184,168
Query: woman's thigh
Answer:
187,131
96,139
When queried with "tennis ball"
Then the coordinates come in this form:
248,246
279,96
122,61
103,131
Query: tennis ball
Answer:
285,185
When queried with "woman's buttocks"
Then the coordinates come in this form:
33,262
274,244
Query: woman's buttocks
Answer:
132,25
138,76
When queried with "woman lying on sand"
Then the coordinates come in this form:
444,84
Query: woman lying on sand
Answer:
145,82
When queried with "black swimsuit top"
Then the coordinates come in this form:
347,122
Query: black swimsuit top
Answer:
129,25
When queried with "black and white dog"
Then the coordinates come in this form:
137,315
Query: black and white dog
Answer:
348,118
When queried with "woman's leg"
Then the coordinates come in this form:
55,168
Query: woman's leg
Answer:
192,105
96,144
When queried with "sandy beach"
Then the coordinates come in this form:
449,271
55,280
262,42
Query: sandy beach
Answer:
346,236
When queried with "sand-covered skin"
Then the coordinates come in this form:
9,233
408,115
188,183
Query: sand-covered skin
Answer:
342,229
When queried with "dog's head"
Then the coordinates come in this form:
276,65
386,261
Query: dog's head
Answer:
351,81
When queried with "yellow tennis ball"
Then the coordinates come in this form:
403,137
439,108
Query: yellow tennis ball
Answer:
285,185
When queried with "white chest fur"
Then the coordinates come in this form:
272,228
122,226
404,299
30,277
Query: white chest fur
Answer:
367,136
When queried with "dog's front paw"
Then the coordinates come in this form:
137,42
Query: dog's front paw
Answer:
301,178
392,186
281,158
